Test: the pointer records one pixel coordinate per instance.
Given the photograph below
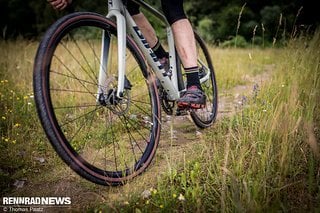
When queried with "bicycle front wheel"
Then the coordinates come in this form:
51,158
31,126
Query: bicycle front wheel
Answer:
105,139
205,117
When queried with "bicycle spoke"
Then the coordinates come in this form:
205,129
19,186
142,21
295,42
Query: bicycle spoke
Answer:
157,118
82,125
74,76
91,45
63,124
106,139
127,119
72,91
76,106
76,59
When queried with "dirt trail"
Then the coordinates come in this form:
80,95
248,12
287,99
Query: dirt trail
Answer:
178,138
231,101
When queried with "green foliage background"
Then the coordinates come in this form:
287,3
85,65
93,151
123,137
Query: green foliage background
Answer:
216,20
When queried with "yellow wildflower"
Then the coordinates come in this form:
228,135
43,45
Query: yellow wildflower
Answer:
17,125
154,191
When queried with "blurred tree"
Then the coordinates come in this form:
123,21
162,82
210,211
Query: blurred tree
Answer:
216,20
17,19
270,16
206,29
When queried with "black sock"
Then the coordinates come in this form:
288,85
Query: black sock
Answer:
159,51
192,74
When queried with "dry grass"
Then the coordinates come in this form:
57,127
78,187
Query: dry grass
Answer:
265,158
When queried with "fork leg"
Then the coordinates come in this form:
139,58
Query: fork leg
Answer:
121,44
102,81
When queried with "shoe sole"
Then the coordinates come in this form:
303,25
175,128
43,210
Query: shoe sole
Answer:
183,105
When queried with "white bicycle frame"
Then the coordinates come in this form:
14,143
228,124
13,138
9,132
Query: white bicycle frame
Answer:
124,21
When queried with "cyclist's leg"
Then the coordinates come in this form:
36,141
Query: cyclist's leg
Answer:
186,47
146,29
185,42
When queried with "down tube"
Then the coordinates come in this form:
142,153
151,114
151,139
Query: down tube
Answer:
153,61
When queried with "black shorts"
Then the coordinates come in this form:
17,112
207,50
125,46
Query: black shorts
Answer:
172,9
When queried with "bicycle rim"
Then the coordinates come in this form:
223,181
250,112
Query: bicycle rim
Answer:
205,117
106,142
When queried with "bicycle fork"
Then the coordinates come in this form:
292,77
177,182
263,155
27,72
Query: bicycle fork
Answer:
121,44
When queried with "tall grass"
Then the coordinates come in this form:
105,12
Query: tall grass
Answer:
234,65
265,158
21,138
